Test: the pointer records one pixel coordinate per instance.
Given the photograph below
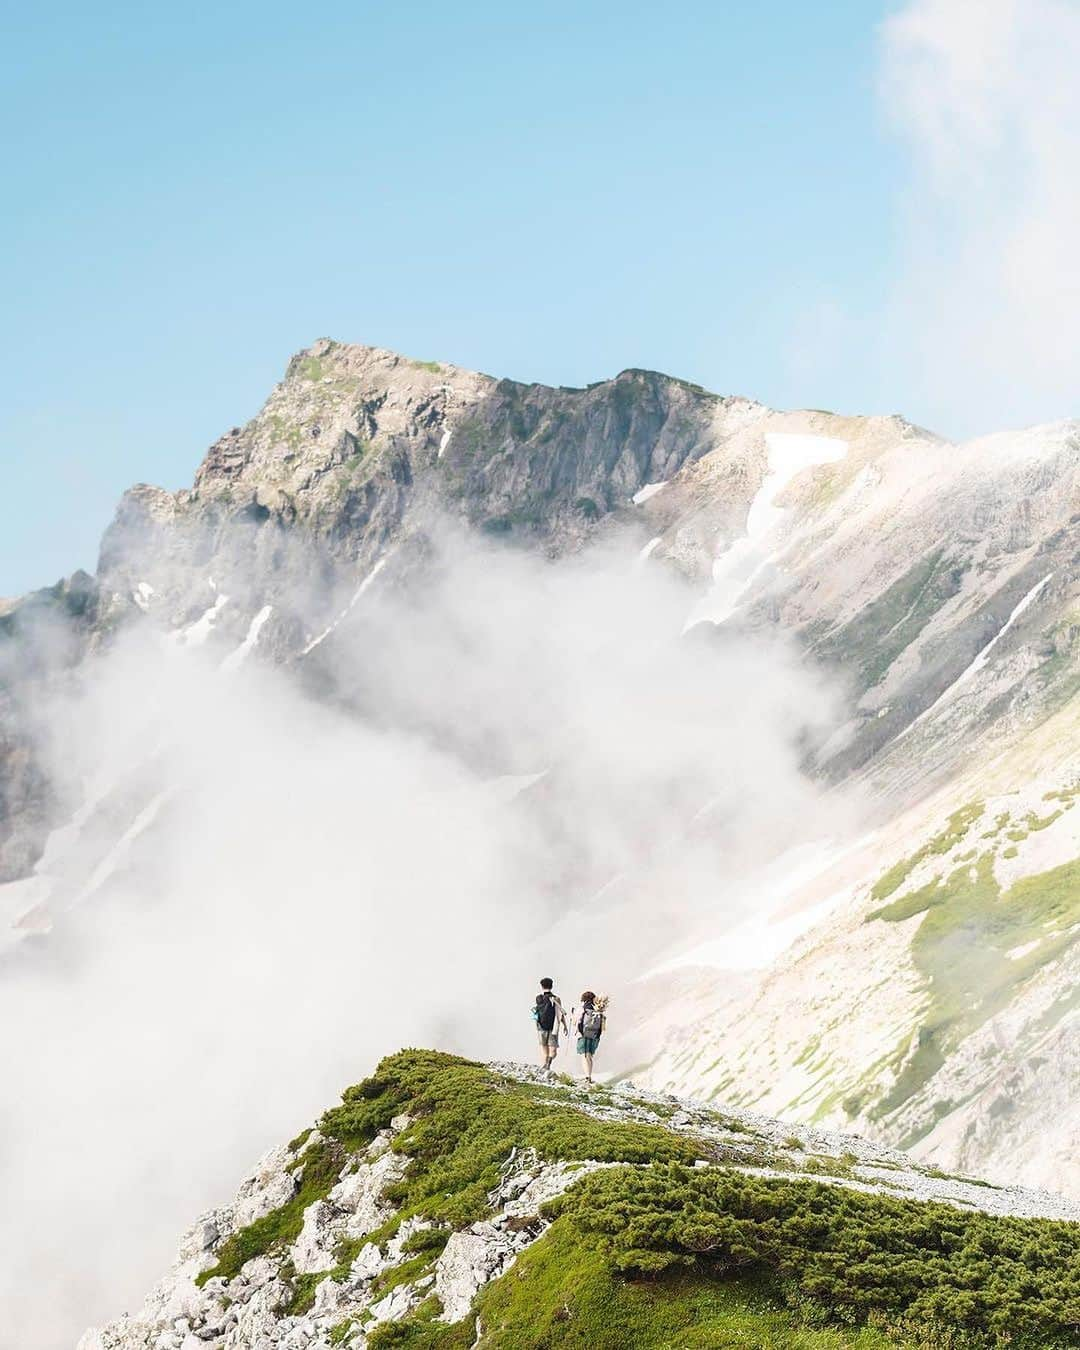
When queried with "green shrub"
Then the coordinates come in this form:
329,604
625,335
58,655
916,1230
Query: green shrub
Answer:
993,1277
421,1331
668,1254
468,1122
563,1294
302,1295
426,1240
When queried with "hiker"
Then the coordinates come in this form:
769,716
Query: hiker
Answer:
590,1027
549,1016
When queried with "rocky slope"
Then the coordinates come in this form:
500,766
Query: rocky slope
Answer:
451,1204
931,996
43,638
923,979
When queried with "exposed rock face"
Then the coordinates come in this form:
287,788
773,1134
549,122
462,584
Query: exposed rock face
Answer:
42,639
358,447
356,453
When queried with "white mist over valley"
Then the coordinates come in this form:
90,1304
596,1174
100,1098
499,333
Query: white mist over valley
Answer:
433,684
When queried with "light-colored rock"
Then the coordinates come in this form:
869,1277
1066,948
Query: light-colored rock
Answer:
396,1304
368,1262
269,1188
831,1019
313,1250
359,1194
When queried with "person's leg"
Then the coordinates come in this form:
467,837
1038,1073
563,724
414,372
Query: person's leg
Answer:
545,1053
588,1068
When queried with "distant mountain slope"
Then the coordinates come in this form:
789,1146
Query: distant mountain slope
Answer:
925,988
452,1204
932,998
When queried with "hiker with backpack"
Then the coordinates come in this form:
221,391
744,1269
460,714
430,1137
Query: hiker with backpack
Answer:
548,1015
590,1027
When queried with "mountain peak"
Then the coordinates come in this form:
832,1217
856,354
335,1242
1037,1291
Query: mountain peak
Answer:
326,358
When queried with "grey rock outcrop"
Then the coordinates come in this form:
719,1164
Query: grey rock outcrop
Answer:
43,639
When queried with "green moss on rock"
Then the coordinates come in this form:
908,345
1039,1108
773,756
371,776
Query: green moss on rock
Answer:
962,949
320,1167
956,828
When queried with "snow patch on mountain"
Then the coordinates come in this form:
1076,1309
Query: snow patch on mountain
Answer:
648,491
141,595
984,655
235,659
734,571
198,632
367,581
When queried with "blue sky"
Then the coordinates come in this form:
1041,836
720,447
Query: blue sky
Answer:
549,192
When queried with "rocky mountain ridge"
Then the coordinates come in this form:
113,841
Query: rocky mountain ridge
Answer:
406,1216
895,558
355,456
359,447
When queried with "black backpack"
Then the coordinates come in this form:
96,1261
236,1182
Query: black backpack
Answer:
545,1012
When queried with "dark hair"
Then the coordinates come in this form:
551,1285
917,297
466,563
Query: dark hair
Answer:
588,996
545,983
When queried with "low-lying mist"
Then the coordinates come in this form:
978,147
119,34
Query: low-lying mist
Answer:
512,768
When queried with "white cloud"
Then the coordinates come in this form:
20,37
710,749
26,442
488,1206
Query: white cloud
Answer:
318,889
985,323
